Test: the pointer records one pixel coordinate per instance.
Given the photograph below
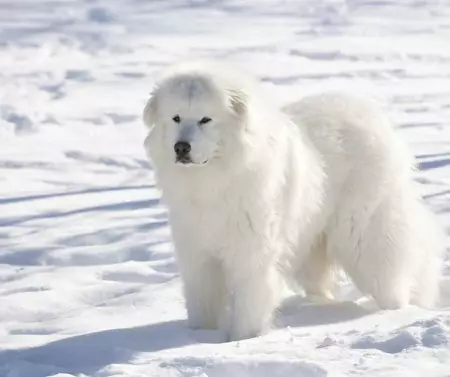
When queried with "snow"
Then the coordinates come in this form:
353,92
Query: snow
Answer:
88,281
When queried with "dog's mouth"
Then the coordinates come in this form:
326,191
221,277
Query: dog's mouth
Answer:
187,161
184,160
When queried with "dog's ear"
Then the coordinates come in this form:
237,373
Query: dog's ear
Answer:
238,101
149,113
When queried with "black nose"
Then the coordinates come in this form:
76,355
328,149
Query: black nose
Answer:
182,148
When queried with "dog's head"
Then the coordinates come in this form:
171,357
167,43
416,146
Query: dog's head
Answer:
193,116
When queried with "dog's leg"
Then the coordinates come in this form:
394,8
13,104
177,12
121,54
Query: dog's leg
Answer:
430,243
315,272
254,296
376,251
204,290
426,287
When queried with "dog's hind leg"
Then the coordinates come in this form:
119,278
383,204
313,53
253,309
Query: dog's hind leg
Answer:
315,272
425,292
430,243
376,250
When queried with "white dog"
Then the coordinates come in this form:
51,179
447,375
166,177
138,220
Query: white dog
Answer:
251,188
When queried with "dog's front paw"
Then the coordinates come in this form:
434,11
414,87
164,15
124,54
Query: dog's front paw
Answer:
197,322
240,331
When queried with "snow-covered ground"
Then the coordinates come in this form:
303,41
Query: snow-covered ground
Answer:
88,282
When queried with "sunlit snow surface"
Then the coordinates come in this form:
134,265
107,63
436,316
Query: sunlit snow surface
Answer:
88,282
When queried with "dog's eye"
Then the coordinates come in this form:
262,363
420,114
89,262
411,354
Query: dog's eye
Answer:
176,119
204,120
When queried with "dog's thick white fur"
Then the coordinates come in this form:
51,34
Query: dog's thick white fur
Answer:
266,193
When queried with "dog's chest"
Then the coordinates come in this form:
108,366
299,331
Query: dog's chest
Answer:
217,226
